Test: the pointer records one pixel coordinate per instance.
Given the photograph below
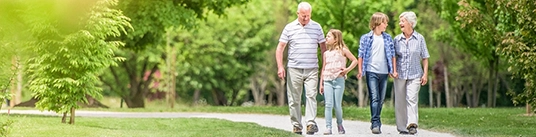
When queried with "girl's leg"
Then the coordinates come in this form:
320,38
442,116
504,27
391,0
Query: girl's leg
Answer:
338,91
328,101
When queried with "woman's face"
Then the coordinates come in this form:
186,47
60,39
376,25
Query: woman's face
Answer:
405,26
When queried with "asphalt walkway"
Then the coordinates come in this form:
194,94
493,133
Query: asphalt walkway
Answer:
353,128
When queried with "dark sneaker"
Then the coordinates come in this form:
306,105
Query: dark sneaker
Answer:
404,133
297,130
376,130
412,129
341,129
312,129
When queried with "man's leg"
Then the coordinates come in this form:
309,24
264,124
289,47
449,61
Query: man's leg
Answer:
311,89
294,92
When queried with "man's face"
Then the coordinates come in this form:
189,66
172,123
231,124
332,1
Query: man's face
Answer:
304,16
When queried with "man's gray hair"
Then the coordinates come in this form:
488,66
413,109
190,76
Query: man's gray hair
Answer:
410,17
304,5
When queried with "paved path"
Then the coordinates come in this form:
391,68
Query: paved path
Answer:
353,128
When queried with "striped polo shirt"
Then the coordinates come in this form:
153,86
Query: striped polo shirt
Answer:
303,44
409,55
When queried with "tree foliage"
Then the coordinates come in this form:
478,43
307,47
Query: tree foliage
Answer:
71,46
220,55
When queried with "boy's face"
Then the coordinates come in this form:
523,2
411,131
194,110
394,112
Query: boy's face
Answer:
382,26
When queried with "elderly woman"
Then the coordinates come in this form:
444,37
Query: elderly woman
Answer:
410,48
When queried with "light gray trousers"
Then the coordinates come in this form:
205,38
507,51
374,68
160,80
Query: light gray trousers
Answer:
406,102
297,80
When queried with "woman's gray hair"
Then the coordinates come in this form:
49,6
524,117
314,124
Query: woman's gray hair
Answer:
304,5
410,17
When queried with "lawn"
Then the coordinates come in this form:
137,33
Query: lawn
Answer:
45,126
470,122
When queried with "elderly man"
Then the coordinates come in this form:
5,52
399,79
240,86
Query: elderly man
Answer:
303,36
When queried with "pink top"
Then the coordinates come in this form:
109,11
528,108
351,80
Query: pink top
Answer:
335,63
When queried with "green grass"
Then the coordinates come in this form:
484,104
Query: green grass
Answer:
470,122
45,126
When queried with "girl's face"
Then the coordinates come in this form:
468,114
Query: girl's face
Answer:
330,39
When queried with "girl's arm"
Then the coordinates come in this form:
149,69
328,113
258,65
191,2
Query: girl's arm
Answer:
352,58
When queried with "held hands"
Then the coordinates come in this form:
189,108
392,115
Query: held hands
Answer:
394,75
281,73
424,79
321,89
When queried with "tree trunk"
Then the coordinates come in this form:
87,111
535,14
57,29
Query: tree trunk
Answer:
219,98
281,94
137,101
491,80
447,92
64,118
257,89
172,85
495,87
197,93
71,121
430,92
529,110
361,93
438,99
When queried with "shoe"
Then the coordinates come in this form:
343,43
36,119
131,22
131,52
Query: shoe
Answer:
412,129
376,130
341,129
297,130
327,132
312,129
404,133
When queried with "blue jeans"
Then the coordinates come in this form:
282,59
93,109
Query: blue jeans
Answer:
376,85
333,91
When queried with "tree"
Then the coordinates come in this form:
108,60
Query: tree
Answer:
519,45
150,19
70,56
236,53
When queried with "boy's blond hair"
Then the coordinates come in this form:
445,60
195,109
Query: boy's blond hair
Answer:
377,19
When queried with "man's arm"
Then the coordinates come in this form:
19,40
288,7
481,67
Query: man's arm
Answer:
279,59
323,48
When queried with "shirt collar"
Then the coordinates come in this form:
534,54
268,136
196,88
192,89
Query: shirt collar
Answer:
414,34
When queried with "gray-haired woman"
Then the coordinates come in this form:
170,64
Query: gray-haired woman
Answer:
411,49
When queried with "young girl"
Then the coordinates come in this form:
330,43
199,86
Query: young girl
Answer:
333,73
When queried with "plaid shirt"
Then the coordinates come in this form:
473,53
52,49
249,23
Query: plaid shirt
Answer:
409,55
365,47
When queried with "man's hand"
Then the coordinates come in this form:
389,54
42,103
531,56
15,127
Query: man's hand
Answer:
281,73
359,75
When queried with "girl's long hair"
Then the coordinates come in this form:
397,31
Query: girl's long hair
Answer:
338,43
